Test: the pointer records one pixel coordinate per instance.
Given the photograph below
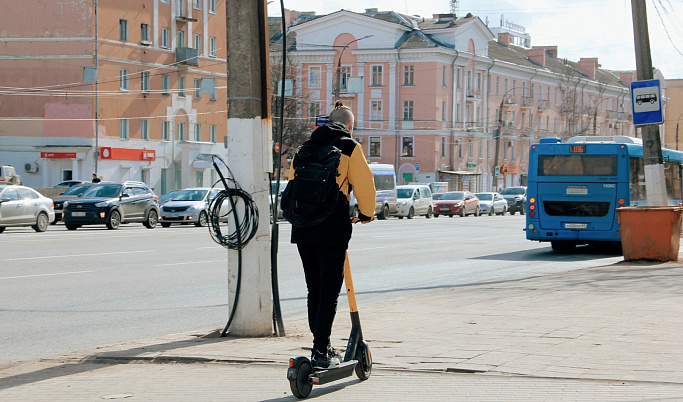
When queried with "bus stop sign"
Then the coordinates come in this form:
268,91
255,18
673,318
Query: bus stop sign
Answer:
646,102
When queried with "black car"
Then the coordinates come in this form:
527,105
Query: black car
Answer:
112,204
71,193
516,198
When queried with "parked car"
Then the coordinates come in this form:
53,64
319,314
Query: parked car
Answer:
457,203
71,193
167,197
190,205
24,206
414,199
516,198
112,204
69,183
273,184
492,203
8,175
435,198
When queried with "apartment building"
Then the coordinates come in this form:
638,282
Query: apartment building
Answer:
130,89
442,98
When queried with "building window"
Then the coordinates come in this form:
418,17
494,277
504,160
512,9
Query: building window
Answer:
443,146
458,143
181,39
458,78
375,110
199,178
197,87
345,74
144,82
181,86
164,1
514,87
144,32
123,128
480,143
165,84
164,38
212,6
314,109
443,111
144,129
407,110
408,75
181,10
470,148
197,4
123,79
443,76
181,131
407,149
497,85
212,133
198,41
314,76
376,76
197,132
164,130
375,146
123,30
212,46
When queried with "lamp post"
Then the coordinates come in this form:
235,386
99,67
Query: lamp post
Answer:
498,130
337,90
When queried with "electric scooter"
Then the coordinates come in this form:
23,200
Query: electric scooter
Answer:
301,373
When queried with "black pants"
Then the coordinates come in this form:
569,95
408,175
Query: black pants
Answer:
324,271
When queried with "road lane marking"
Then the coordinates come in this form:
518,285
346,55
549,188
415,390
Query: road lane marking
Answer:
77,255
38,275
188,262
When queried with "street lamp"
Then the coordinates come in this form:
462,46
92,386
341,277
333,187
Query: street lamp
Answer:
338,86
499,129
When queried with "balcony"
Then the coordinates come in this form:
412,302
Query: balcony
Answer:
528,101
543,104
510,101
473,126
187,56
612,114
567,108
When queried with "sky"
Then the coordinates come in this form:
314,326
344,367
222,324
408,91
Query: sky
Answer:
580,28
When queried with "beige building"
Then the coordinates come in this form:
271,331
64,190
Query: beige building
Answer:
141,81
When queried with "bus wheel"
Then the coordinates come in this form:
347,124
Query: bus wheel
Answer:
563,246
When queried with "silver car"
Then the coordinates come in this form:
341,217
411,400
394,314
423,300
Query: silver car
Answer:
190,205
24,206
492,203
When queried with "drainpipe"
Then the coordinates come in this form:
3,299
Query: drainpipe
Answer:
452,142
398,106
486,112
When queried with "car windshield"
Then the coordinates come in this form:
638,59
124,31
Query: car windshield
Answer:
404,192
453,196
76,190
168,196
273,185
190,195
437,196
513,191
484,196
103,190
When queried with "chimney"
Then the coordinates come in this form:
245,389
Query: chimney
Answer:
371,10
504,38
443,17
626,77
588,66
537,55
550,50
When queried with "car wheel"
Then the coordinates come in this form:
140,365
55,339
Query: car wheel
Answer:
491,211
2,229
42,222
203,219
477,212
450,216
399,217
521,212
512,212
165,225
411,212
429,213
152,219
384,214
505,209
70,226
462,212
436,216
114,220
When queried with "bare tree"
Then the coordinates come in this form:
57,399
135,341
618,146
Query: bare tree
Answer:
578,117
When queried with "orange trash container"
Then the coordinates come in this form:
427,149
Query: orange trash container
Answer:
650,233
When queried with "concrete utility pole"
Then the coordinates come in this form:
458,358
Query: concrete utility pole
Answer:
250,159
655,185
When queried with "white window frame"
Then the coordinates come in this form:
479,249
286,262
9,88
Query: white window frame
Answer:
165,84
212,46
144,82
198,41
181,38
408,109
377,75
197,4
123,129
197,87
165,135
373,140
314,76
212,133
123,30
197,132
181,86
314,109
212,6
181,131
164,38
123,80
144,32
411,152
144,129
409,75
376,110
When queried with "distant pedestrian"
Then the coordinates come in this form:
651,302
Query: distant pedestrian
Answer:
95,179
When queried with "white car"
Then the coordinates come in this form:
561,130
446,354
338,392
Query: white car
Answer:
492,203
414,199
190,205
24,206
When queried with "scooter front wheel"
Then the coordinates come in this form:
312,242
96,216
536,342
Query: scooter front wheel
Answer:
364,366
300,385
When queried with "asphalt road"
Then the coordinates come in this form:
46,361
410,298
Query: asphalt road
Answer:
65,290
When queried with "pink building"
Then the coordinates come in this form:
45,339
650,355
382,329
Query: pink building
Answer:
441,98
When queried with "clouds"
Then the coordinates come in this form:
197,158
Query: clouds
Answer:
580,28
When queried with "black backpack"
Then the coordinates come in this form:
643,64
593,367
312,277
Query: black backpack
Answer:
312,196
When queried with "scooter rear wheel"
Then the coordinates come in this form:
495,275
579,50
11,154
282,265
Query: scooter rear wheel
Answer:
364,366
301,387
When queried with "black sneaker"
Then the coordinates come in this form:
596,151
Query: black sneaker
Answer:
333,353
321,360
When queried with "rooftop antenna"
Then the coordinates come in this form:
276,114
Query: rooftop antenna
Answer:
454,6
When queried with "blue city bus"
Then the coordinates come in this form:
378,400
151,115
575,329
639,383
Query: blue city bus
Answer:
574,188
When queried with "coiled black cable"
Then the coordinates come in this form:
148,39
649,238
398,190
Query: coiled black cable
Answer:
243,230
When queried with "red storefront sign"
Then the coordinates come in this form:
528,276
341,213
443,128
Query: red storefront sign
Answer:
127,154
58,155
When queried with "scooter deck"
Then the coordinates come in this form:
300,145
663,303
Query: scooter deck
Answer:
319,377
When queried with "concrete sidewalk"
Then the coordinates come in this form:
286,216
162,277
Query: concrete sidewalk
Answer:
606,333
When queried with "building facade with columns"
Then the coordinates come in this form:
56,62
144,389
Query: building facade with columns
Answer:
442,98
132,90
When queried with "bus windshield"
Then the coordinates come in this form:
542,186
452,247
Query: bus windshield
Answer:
577,165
